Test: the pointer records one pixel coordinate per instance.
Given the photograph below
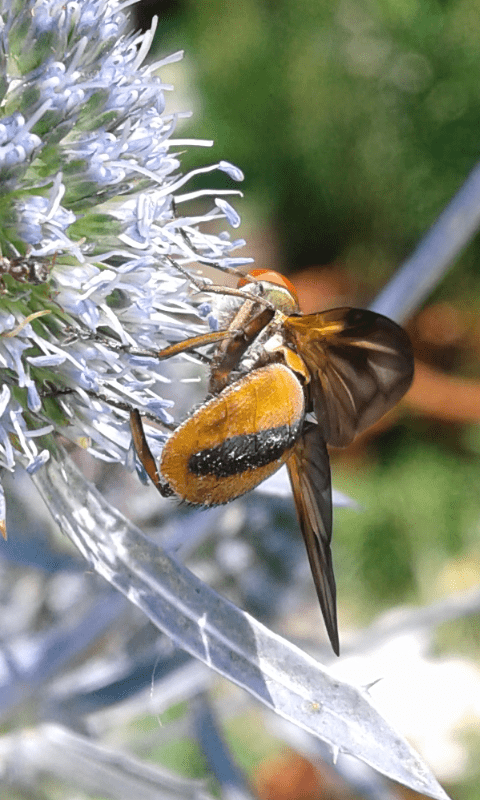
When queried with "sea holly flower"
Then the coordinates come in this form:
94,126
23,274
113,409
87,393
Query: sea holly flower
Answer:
92,224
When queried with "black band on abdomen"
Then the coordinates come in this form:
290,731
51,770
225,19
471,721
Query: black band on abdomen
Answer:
244,452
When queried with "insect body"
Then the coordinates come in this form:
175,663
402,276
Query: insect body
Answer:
282,386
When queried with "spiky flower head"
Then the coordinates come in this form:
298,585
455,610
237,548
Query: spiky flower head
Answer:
90,226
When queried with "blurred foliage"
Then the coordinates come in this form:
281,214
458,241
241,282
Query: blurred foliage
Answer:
418,530
354,122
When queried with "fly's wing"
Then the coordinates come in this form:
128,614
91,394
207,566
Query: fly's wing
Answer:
361,365
309,470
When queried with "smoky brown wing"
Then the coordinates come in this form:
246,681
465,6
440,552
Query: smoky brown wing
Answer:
361,365
309,471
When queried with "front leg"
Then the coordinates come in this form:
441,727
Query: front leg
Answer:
192,343
244,329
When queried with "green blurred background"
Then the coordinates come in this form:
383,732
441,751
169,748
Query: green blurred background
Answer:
355,123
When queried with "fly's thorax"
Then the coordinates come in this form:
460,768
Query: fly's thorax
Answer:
273,345
265,348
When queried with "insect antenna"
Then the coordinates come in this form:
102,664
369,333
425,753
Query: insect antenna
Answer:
202,285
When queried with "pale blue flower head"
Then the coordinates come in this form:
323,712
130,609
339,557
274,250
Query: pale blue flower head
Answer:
90,227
